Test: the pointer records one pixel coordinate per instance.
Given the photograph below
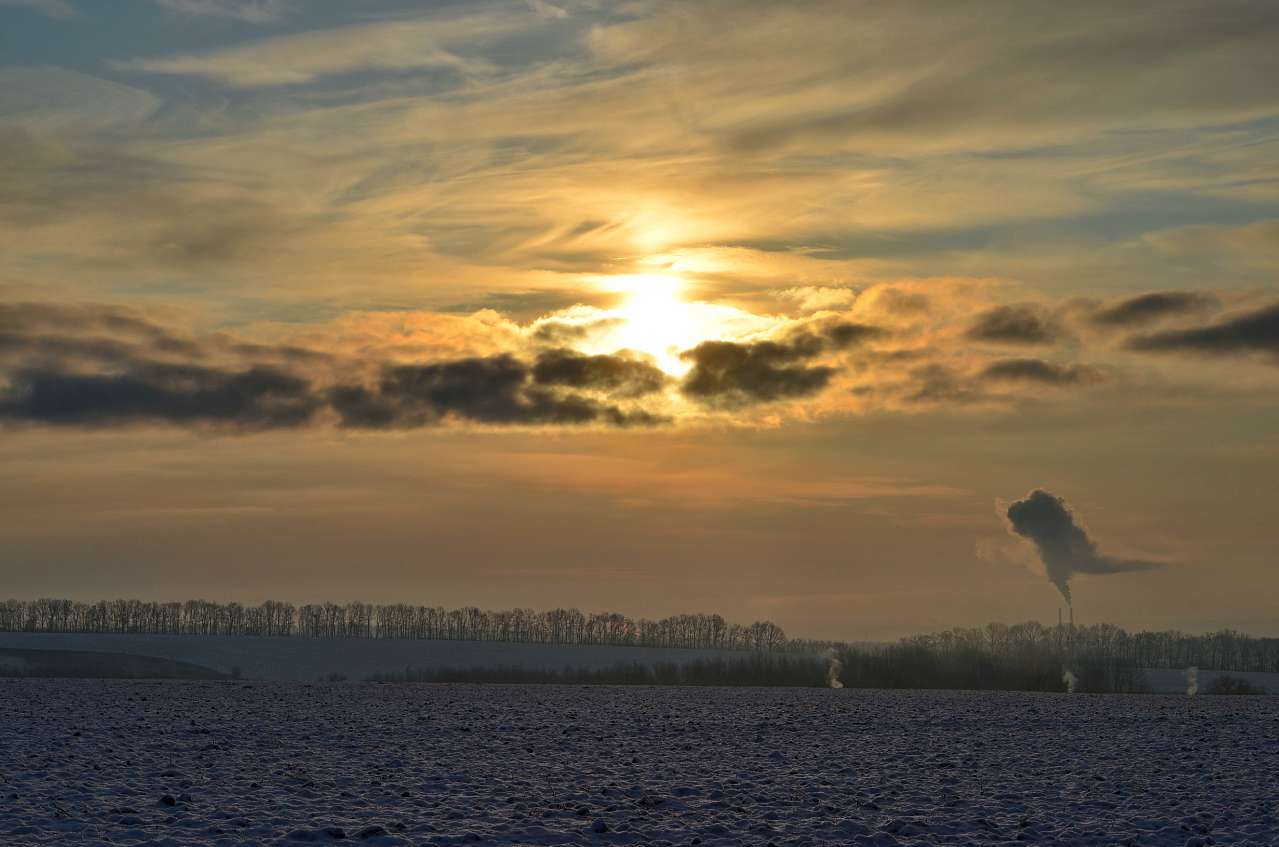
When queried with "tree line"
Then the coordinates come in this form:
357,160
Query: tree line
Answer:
1106,643
396,620
1025,645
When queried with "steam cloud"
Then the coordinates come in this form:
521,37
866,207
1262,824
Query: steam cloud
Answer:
1062,543
833,667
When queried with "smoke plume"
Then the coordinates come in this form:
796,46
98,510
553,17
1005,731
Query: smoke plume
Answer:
1061,541
1071,681
1192,681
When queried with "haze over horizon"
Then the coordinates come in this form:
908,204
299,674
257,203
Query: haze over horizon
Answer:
866,319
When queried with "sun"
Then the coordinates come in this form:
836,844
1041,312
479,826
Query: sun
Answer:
654,318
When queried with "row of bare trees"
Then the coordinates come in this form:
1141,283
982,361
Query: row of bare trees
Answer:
367,620
1223,650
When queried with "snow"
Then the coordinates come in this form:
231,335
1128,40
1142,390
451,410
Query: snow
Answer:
225,763
309,659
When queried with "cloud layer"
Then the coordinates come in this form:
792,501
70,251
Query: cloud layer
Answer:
93,366
97,366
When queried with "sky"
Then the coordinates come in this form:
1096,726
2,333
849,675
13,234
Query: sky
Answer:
865,318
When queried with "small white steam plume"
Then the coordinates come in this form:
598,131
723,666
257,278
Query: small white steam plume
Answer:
1072,681
1192,681
833,667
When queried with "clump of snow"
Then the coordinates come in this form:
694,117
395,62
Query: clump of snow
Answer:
86,761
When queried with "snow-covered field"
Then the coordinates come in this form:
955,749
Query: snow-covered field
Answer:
308,659
93,762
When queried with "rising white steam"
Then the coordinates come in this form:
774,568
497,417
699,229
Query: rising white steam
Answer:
1072,681
833,667
1192,681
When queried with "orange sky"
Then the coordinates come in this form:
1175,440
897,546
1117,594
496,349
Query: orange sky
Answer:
750,308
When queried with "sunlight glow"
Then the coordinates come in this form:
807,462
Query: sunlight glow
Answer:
655,319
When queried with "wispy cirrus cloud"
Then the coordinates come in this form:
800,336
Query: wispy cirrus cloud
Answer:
50,8
250,11
393,45
1018,75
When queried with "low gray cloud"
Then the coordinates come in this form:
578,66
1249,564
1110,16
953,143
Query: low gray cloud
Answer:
257,398
1017,324
730,374
937,384
1063,544
847,333
489,390
1251,332
1041,372
900,302
98,366
31,325
1148,308
615,374
558,333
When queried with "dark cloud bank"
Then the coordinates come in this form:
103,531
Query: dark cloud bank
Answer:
1062,543
96,366
499,390
1040,371
1251,332
728,373
106,366
1148,308
1018,324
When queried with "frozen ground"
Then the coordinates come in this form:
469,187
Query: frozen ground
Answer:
308,659
93,762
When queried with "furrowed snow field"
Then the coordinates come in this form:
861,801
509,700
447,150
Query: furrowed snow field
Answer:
120,762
